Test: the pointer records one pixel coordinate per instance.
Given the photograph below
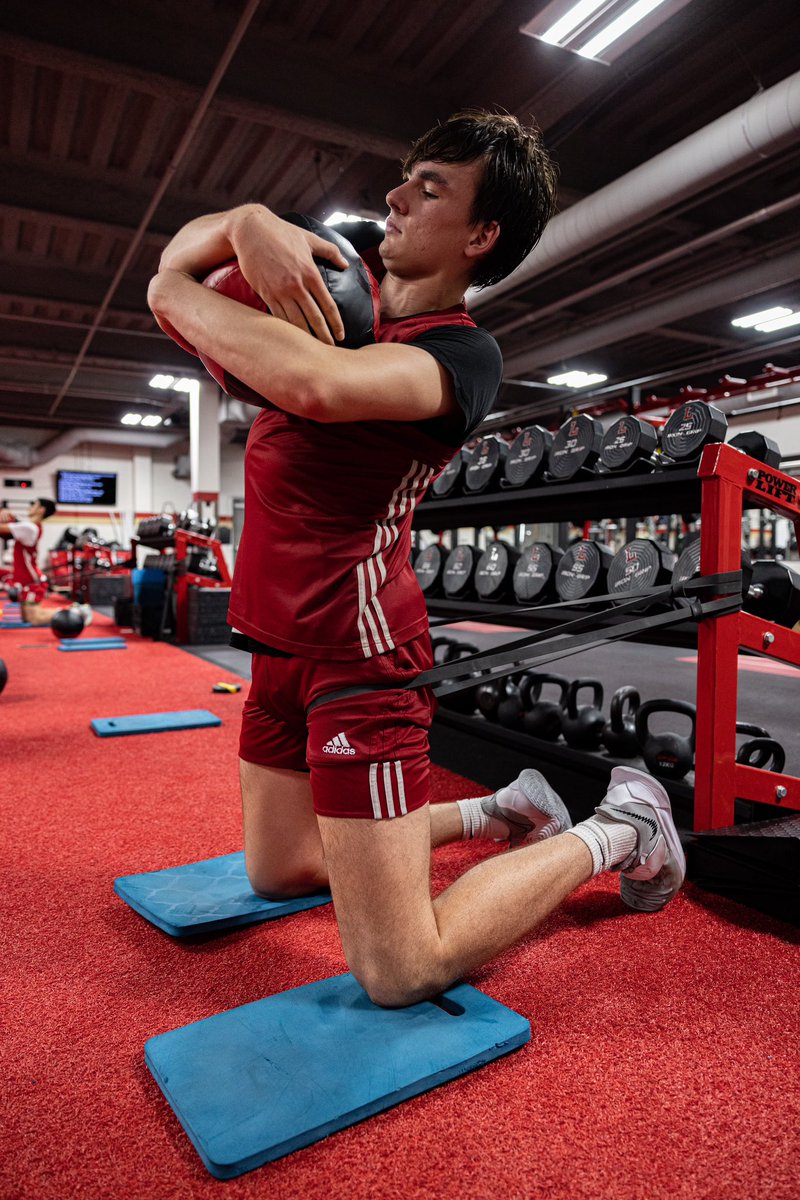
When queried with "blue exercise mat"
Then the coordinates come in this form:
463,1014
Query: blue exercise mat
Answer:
191,718
258,1082
203,897
95,644
15,625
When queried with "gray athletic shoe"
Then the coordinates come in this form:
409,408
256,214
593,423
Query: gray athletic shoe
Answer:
530,808
654,871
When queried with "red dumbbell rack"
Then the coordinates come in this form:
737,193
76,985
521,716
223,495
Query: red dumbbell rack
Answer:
731,481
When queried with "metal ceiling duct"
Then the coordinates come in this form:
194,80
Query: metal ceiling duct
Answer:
755,130
101,437
748,282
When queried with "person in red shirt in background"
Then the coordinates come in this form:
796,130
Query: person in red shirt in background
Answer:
26,575
345,445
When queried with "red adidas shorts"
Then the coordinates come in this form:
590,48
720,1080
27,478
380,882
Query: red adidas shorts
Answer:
367,754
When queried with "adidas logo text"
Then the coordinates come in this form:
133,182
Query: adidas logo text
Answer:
338,745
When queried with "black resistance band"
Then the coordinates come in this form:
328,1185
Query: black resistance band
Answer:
507,659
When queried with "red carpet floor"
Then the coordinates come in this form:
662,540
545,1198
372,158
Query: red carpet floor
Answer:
664,1057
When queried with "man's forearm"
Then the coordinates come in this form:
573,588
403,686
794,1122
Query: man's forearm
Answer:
200,245
281,363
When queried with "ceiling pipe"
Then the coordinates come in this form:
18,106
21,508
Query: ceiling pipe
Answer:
171,169
64,442
762,275
755,130
723,232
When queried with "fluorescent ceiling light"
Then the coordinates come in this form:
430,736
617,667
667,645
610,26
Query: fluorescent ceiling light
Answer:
339,217
576,379
571,20
767,314
633,15
162,381
131,418
591,28
780,323
151,420
183,384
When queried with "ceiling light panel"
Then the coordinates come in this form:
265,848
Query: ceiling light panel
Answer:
601,30
767,314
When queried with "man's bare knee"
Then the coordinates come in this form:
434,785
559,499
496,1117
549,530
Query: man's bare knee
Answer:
289,885
391,983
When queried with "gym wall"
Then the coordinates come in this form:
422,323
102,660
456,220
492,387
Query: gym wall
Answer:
165,489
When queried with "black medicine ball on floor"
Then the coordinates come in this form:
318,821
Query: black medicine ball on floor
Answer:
67,623
3,674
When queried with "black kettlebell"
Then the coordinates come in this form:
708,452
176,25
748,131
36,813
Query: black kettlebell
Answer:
583,726
667,755
619,732
510,705
762,752
448,693
543,718
488,696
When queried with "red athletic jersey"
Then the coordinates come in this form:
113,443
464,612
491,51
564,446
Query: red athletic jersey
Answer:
26,568
323,565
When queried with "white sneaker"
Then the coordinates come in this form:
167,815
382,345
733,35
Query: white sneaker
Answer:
86,613
654,871
530,808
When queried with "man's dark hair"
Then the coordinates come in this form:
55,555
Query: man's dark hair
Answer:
518,189
49,507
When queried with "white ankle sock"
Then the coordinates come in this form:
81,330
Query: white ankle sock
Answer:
476,823
609,842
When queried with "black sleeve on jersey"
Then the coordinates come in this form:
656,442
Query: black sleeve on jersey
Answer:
474,361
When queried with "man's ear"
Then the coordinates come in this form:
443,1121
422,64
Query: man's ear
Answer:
483,239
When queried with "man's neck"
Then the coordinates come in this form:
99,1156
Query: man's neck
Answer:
404,297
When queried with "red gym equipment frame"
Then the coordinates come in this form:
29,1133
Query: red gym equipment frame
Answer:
731,481
185,579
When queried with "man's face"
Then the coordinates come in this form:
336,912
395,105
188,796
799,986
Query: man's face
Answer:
35,512
430,223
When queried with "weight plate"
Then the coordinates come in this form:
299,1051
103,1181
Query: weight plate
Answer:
527,456
534,574
627,441
690,428
582,571
428,569
638,566
688,564
494,570
459,569
575,447
446,483
484,465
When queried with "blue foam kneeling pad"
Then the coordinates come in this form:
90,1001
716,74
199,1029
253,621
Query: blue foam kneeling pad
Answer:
95,644
203,897
260,1081
191,718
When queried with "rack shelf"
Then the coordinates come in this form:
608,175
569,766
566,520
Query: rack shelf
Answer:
665,491
684,636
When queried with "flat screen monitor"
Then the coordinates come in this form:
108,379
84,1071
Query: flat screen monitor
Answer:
86,487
